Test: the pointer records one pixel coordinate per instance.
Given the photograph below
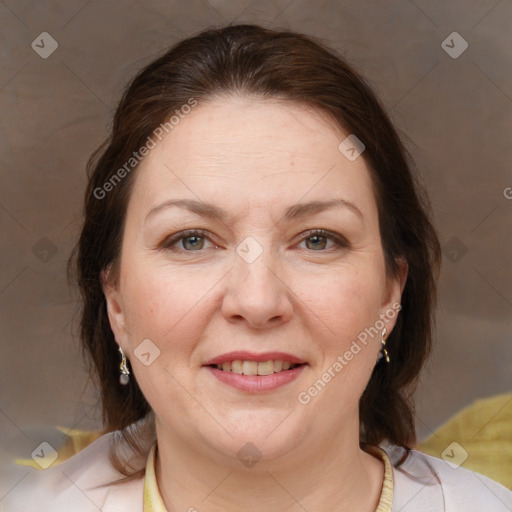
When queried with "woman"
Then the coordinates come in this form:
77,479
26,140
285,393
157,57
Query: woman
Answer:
258,270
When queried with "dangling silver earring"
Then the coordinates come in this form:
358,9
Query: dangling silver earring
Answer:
383,352
124,378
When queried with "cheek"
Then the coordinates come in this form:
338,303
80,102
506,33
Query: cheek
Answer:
345,309
165,306
342,304
166,309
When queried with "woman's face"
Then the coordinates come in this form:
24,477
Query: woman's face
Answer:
256,178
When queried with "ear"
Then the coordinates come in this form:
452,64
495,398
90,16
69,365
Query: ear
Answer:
393,296
115,308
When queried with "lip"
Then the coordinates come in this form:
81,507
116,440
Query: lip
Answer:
243,355
256,383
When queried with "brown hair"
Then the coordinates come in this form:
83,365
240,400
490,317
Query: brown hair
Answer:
251,60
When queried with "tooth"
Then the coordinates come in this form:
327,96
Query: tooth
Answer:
250,368
236,367
266,368
254,368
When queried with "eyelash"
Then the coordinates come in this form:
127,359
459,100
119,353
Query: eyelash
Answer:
339,241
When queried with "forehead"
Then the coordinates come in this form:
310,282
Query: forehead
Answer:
251,152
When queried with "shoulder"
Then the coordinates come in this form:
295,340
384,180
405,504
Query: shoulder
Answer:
426,483
85,482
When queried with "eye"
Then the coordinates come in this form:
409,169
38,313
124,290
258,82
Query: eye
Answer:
191,240
317,240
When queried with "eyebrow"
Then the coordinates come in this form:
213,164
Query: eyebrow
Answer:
293,212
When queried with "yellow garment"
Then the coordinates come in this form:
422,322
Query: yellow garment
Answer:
76,441
153,500
484,431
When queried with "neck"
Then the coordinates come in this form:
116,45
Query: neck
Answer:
334,476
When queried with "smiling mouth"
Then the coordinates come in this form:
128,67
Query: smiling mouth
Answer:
256,368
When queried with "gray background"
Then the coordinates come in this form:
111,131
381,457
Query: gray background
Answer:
455,113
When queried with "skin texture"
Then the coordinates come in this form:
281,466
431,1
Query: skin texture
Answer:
304,296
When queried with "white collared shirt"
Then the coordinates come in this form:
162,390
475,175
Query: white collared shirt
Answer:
83,483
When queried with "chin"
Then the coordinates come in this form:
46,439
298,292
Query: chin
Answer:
263,441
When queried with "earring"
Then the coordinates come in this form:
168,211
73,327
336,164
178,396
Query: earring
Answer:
383,352
124,377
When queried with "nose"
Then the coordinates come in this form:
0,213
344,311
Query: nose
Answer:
257,293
